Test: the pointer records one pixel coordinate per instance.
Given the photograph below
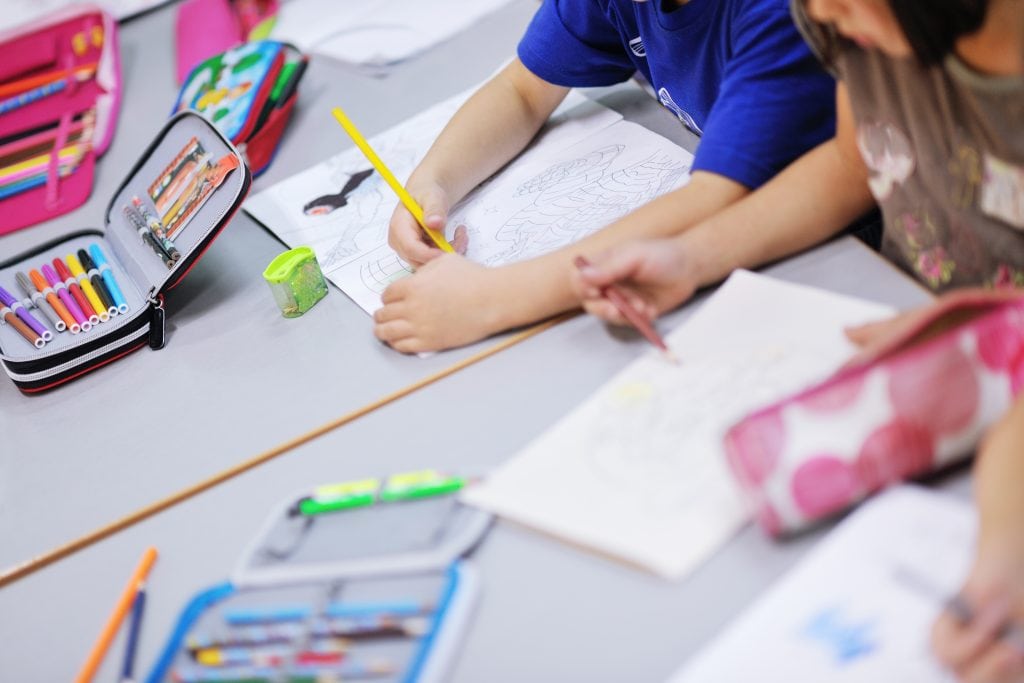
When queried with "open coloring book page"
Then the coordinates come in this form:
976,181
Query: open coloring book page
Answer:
375,32
860,607
638,471
585,170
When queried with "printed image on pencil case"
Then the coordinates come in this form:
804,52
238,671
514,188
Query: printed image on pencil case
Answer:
916,404
186,183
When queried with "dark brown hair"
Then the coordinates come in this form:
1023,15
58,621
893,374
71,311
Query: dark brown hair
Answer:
931,27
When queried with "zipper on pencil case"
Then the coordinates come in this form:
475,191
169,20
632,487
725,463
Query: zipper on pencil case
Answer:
80,360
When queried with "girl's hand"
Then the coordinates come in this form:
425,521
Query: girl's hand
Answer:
653,275
406,236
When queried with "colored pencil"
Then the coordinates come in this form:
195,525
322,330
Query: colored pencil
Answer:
31,82
127,669
124,603
390,179
642,325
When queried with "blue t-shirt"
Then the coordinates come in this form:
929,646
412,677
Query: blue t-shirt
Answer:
735,71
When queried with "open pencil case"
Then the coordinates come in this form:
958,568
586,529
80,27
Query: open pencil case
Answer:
361,580
917,403
98,293
60,92
249,93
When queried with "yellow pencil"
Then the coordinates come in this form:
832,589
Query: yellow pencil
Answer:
390,179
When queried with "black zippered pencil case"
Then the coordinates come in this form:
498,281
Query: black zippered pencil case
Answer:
180,195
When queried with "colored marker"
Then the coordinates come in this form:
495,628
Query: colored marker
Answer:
108,277
389,178
415,485
7,299
51,296
76,291
24,330
398,608
278,656
65,296
642,325
40,301
345,496
248,617
90,293
97,282
311,673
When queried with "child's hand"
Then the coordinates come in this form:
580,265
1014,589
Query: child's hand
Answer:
994,591
446,303
406,236
653,275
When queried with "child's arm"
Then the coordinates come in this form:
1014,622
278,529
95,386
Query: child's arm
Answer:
493,126
995,587
811,200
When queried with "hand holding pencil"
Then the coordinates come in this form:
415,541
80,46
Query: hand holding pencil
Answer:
650,276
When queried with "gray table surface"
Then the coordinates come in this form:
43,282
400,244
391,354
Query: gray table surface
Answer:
236,379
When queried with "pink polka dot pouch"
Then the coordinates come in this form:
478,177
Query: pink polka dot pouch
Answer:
916,402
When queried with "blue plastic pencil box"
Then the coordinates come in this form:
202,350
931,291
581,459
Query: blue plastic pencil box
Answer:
180,195
381,592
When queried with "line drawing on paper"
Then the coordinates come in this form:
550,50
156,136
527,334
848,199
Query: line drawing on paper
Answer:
377,274
649,437
576,197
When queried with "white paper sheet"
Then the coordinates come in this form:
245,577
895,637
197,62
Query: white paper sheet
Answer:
586,169
18,12
637,472
375,32
858,609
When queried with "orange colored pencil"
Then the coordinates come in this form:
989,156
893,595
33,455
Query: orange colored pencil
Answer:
17,87
124,603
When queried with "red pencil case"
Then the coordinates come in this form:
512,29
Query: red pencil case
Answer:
249,93
916,404
60,92
180,195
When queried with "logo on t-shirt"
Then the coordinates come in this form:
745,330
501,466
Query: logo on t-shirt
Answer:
636,46
1002,191
888,155
666,100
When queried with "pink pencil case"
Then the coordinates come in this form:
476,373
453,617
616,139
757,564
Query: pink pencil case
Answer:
916,404
60,92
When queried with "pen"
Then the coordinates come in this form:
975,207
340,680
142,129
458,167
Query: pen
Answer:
76,292
157,228
24,330
40,300
81,321
83,281
390,179
97,282
108,277
138,223
642,325
18,308
415,485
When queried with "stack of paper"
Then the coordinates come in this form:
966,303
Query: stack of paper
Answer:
860,608
638,471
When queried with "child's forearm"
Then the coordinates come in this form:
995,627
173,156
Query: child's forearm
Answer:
491,128
811,200
999,482
542,285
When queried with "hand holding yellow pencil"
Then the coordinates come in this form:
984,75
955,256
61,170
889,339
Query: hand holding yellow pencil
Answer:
390,179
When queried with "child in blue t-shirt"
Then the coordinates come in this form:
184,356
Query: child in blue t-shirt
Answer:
734,71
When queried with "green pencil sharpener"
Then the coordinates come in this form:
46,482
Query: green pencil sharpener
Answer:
296,281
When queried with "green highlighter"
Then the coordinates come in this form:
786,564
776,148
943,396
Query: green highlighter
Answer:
367,492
